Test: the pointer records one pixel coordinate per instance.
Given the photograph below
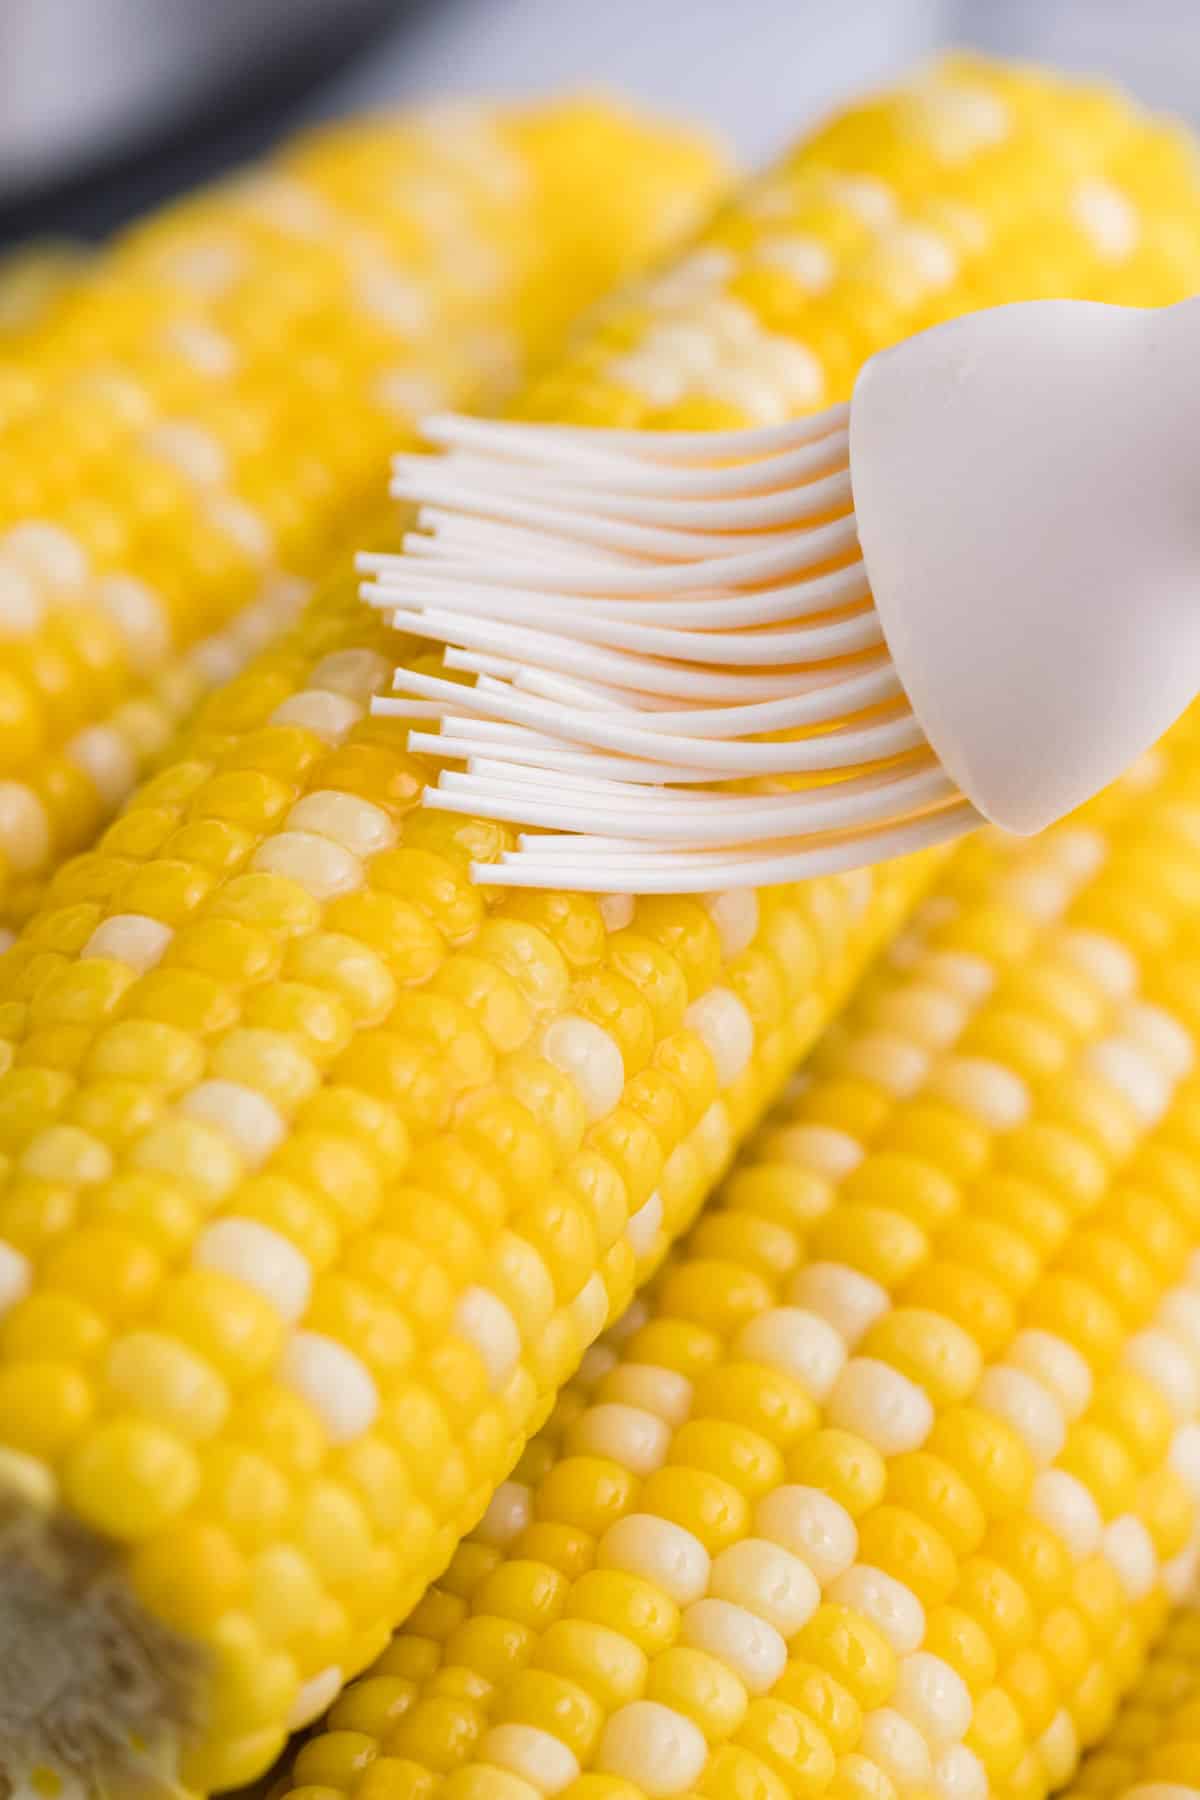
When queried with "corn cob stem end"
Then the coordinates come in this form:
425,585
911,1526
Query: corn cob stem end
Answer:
89,1681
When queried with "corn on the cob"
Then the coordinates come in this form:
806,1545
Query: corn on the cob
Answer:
196,416
1152,1751
893,1475
322,1170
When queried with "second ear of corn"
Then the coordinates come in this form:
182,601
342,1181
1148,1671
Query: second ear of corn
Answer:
888,1484
195,417
322,1169
1152,1750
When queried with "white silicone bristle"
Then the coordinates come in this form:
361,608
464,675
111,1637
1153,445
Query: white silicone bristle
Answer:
680,679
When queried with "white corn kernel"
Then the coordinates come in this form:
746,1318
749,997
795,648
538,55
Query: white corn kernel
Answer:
509,1512
322,868
1108,217
209,351
1026,1404
24,828
326,715
335,1382
16,1276
27,1479
354,823
712,1136
661,1391
242,1113
866,196
617,911
47,552
656,1748
813,1526
588,1311
641,1233
741,1640
882,1405
315,1697
660,1551
66,1153
1166,1362
1184,1454
1078,851
967,976
801,1343
628,1435
395,300
857,1774
597,1362
897,1747
933,1697
215,660
1056,1364
356,673
958,1774
21,606
850,1301
1129,1548
804,260
924,1011
1067,1508
1137,1077
823,1149
537,1757
1041,893
720,1018
630,1322
735,915
592,1058
104,757
889,1061
188,448
1179,1575
1100,957
890,1603
260,1257
411,391
1179,1315
130,938
485,1321
994,1095
1058,1749
1161,1036
768,1581
242,524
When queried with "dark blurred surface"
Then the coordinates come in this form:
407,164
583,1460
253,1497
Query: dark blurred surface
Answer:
756,70
204,99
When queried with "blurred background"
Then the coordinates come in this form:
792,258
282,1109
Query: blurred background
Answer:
108,106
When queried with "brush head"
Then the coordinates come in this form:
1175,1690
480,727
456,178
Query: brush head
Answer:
1027,502
705,661
680,680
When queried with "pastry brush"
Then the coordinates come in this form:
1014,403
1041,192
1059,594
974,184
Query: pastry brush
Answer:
717,659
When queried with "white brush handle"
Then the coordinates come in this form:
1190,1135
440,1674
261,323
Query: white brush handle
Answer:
1027,490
